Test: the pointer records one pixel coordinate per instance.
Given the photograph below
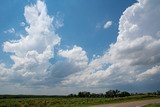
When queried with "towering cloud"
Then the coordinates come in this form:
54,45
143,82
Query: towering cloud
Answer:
31,53
135,57
133,60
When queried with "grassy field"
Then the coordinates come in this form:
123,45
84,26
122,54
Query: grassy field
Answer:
66,102
152,105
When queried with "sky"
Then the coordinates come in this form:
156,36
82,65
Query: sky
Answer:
61,47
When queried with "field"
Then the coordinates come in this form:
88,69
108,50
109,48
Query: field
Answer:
66,102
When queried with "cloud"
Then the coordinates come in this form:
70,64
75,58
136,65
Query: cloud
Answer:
107,24
75,60
40,34
150,73
31,53
4,72
134,58
11,30
132,61
76,55
59,71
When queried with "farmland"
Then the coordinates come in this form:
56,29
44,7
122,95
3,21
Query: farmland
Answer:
41,101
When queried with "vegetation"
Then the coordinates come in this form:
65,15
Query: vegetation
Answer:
153,105
66,102
82,99
111,94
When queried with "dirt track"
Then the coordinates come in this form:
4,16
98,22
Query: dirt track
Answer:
131,104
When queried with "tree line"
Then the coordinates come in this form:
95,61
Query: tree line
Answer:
109,94
85,94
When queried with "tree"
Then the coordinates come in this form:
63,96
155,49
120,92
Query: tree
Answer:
124,94
84,94
117,93
72,95
112,93
158,92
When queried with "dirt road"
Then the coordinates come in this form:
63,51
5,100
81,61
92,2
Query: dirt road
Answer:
131,104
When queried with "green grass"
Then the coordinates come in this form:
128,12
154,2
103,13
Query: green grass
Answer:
66,102
153,105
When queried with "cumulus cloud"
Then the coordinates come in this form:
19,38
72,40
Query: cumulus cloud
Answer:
75,60
31,53
76,55
134,57
150,73
59,71
4,72
107,24
133,60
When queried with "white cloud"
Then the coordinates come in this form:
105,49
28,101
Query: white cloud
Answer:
40,33
133,59
31,53
107,24
3,72
134,56
149,73
11,30
76,55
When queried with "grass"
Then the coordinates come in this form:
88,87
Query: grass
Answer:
66,102
153,105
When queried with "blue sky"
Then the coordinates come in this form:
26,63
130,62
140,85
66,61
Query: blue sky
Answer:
82,17
54,46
